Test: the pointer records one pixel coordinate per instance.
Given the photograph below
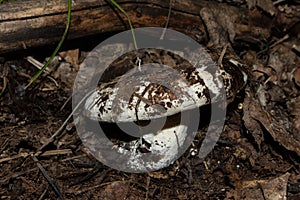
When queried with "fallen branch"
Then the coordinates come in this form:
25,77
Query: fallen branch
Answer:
27,24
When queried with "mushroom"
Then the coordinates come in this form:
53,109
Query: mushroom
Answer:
171,91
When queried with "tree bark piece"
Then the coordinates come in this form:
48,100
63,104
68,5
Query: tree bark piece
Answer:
31,23
26,24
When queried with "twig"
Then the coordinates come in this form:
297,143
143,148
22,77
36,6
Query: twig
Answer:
96,169
279,41
5,81
64,105
74,157
17,174
296,48
56,152
96,186
3,145
278,2
43,194
20,155
59,131
190,173
39,66
220,60
206,166
147,187
4,77
47,177
167,23
46,153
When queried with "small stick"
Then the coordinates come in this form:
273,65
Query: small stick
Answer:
4,78
43,194
64,105
280,41
46,153
168,19
220,60
59,131
49,180
190,173
96,169
20,155
39,66
56,152
4,144
91,188
147,187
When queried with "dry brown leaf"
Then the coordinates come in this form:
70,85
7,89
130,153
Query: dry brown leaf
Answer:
267,6
296,76
251,124
71,56
276,189
255,116
294,109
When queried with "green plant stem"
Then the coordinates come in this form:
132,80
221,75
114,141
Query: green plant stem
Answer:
129,21
37,75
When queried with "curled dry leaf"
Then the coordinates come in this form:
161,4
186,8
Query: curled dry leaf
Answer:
296,76
294,109
255,117
251,124
71,56
274,189
219,24
267,6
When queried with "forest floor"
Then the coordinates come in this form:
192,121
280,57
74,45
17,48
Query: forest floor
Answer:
256,157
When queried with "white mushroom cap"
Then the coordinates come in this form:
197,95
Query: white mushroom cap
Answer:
101,105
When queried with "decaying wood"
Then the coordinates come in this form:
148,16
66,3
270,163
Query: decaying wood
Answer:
26,24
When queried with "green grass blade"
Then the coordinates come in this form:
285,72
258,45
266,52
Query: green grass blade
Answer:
38,74
129,21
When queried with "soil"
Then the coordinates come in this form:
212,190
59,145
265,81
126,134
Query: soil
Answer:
256,157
